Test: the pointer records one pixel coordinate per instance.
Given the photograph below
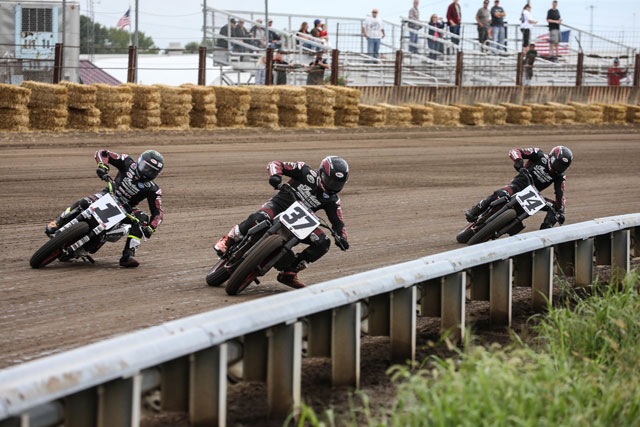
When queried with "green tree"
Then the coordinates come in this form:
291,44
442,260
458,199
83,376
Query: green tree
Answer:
108,39
192,47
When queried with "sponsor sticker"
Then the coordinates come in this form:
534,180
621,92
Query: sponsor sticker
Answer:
339,175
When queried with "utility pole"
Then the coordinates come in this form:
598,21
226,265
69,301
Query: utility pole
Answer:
591,24
135,41
204,22
266,23
64,21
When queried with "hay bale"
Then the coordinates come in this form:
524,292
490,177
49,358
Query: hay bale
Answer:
421,115
48,118
493,114
115,104
80,97
613,114
444,115
345,96
347,116
263,107
470,114
13,97
14,119
292,106
396,115
371,115
175,106
145,113
633,113
565,114
203,106
588,113
45,95
85,119
542,114
232,103
320,103
517,114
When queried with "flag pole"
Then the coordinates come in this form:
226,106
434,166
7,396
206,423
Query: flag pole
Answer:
136,44
129,24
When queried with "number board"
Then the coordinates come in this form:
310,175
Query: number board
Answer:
530,200
299,220
106,210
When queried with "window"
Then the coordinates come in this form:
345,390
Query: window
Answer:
37,20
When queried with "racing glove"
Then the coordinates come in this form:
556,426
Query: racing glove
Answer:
147,230
103,171
275,181
560,216
342,242
518,164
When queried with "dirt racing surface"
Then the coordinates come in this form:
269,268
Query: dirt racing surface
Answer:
405,198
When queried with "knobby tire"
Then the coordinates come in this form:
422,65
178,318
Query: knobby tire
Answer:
490,229
238,279
218,273
44,255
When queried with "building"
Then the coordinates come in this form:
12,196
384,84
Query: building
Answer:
29,31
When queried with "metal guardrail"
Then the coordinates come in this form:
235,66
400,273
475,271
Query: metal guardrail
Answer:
100,384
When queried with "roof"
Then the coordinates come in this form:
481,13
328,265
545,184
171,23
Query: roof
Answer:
90,74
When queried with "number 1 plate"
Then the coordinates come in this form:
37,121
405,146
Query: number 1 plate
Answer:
530,200
299,220
106,210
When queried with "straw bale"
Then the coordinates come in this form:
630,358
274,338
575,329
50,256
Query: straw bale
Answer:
44,87
80,97
44,95
347,116
517,114
145,97
83,118
588,113
470,114
320,106
174,94
292,119
202,97
371,115
12,96
613,113
320,118
203,119
115,104
345,96
48,118
258,118
290,91
633,113
444,115
565,114
542,114
231,117
144,121
14,119
395,115
421,115
233,96
319,96
115,121
493,114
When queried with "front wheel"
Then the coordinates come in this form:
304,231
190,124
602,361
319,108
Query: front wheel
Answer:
53,248
465,234
493,227
218,273
248,269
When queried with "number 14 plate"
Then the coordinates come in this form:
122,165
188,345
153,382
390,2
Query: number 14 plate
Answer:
299,220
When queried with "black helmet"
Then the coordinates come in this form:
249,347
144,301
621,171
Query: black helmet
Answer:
334,173
560,159
150,164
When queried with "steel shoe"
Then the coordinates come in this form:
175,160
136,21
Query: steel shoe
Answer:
290,278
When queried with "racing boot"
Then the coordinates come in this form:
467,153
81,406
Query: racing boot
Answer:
127,260
472,214
55,225
227,241
289,276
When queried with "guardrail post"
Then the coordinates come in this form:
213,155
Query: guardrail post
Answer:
636,240
345,346
119,402
284,368
335,55
268,80
202,66
522,270
174,385
397,75
431,298
208,387
480,283
453,304
459,65
636,71
584,262
603,249
319,334
254,356
57,63
579,69
519,69
500,273
565,256
131,65
620,261
378,316
403,324
542,278
80,409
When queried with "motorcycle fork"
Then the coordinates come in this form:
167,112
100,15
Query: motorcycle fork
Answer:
288,246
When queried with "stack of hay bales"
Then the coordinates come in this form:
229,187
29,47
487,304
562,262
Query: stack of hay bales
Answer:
517,114
613,114
542,114
470,115
292,106
396,115
175,106
565,114
444,115
114,103
14,114
233,103
371,115
146,106
347,101
83,113
320,104
421,115
47,106
588,113
493,114
263,108
633,113
203,113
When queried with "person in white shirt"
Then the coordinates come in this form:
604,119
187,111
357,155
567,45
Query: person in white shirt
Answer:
373,31
526,24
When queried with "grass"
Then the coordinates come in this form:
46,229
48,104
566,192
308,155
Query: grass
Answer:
582,369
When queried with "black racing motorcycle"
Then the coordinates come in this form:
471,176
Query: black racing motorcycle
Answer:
506,214
265,245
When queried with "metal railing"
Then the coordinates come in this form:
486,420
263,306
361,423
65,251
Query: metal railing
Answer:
103,381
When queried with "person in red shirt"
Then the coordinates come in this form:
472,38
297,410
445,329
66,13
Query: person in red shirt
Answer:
454,18
615,73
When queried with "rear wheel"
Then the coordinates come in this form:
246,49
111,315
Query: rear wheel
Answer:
53,248
218,273
248,269
490,229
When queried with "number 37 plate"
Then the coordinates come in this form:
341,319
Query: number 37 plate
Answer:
299,220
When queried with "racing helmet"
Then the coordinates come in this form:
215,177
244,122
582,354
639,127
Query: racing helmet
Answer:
334,173
150,164
560,159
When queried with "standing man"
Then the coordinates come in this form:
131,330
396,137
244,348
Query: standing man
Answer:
414,15
316,70
526,24
615,73
553,18
483,18
529,59
497,24
373,31
454,18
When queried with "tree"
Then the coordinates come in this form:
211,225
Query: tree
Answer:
108,39
192,47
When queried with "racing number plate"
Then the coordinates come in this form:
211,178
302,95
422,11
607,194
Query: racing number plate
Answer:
107,211
299,220
530,200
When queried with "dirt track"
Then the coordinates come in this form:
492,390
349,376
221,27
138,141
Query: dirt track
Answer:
405,199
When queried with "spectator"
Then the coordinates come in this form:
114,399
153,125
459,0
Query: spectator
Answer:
258,34
528,61
414,15
324,34
435,46
615,73
316,70
280,67
454,18
316,31
226,31
261,70
526,24
303,33
373,31
497,25
483,18
553,18
274,38
240,33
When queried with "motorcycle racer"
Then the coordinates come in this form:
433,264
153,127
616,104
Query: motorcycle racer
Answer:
318,189
133,183
545,169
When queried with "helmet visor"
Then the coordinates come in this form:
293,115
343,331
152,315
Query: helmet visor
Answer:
333,184
147,171
559,165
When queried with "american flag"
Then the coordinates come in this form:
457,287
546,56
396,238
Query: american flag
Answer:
542,44
125,20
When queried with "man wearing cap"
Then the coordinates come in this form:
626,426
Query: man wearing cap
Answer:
497,24
615,73
226,31
483,18
553,18
315,32
373,31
